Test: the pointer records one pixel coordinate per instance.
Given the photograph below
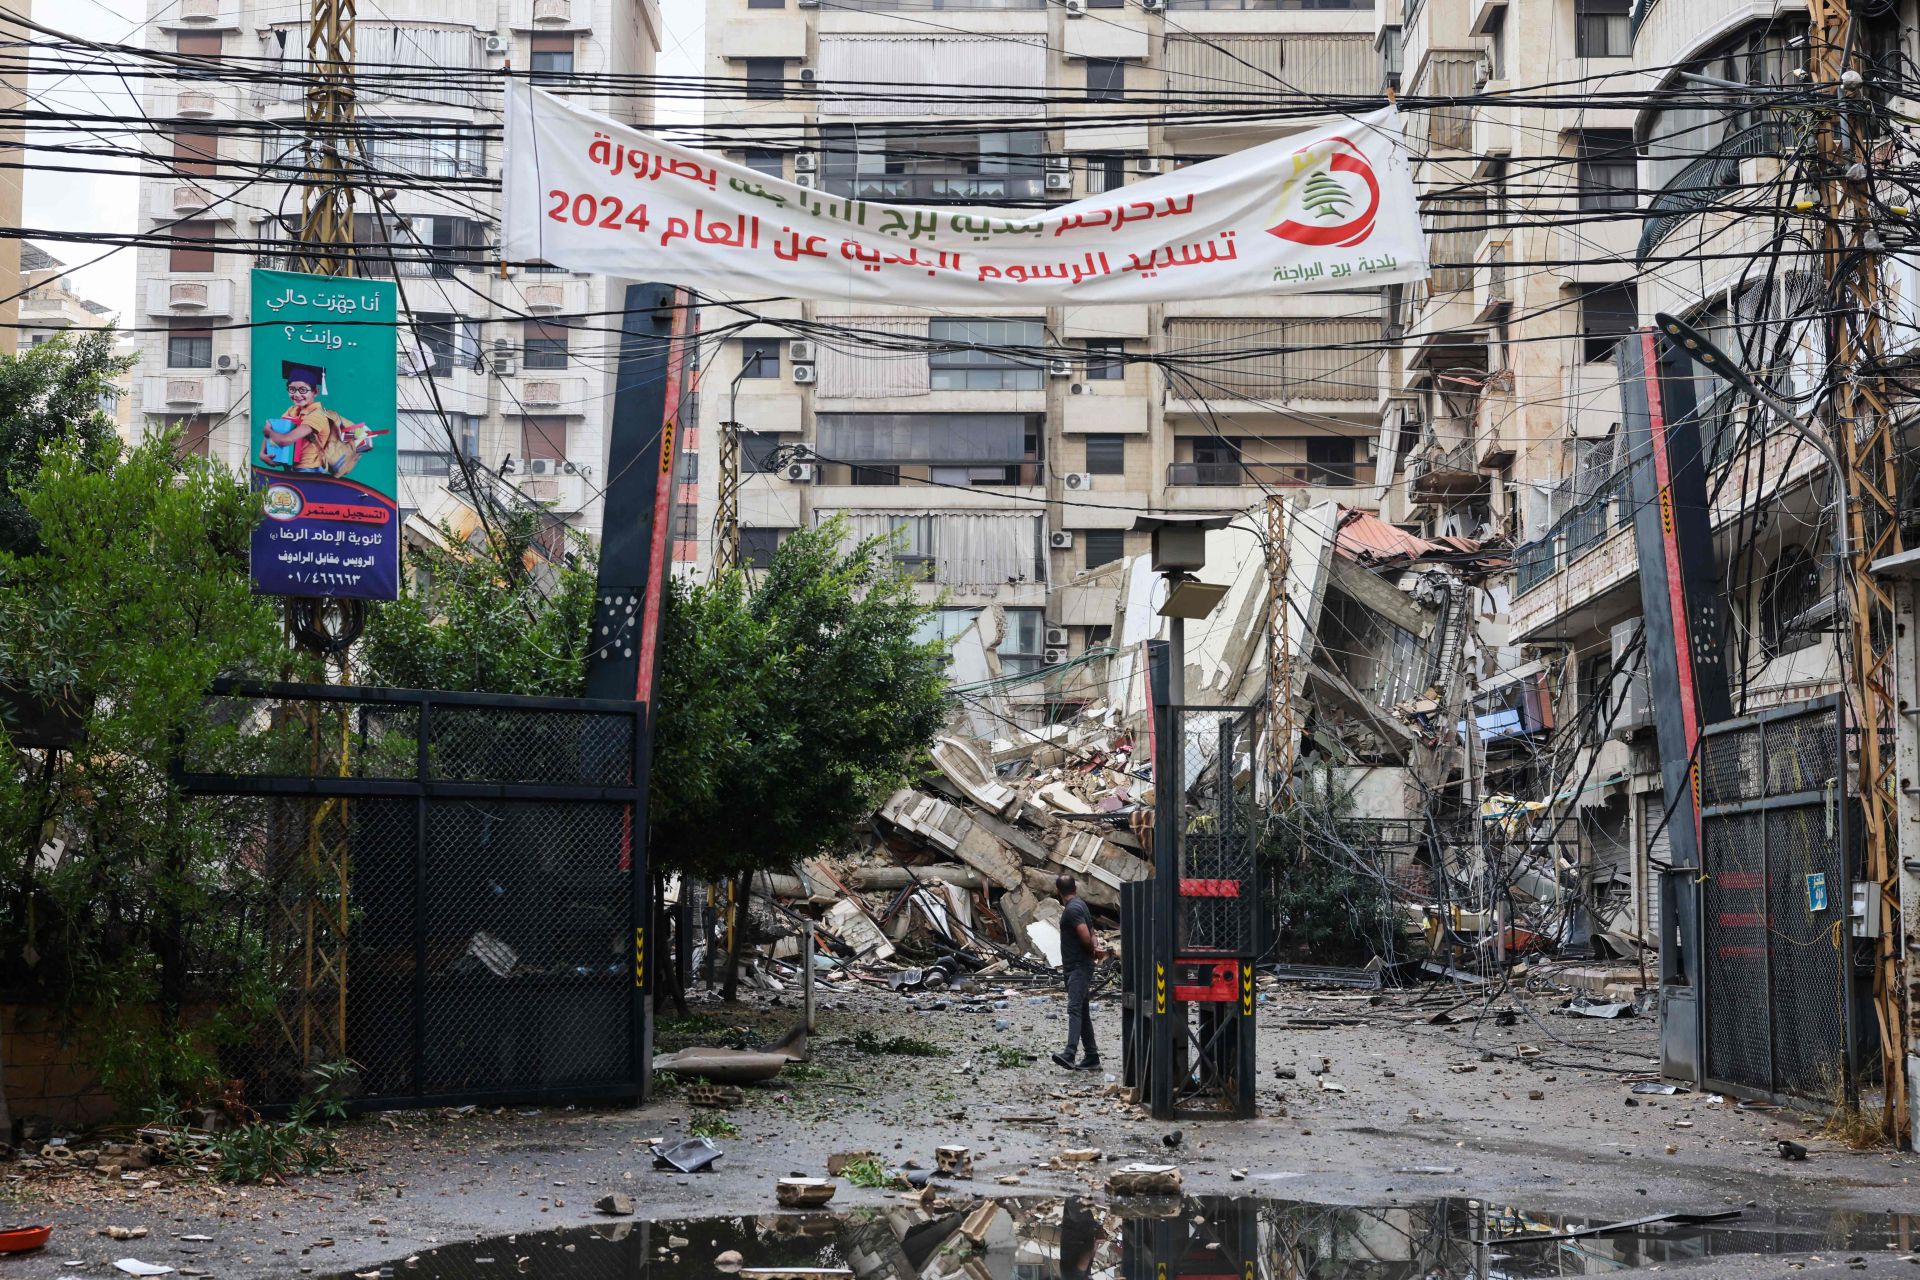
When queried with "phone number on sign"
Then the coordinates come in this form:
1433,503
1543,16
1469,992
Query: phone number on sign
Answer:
318,579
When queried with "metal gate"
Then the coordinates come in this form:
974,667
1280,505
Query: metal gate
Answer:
440,890
1780,858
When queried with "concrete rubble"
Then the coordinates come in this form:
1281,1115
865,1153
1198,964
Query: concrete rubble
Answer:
1393,641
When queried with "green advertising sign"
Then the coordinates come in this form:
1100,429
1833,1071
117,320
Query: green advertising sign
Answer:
324,413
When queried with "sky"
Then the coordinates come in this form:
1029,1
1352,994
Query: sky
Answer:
109,201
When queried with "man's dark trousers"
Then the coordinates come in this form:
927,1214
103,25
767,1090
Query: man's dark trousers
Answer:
1079,1016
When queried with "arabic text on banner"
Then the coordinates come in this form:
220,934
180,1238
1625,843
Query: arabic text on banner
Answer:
1330,209
323,416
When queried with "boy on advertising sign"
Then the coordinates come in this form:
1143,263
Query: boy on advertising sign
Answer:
332,522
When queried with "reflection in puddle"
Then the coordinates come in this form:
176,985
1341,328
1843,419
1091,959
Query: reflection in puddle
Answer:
1203,1238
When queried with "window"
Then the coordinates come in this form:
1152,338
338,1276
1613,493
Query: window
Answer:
545,345
1596,692
1607,312
1329,460
766,77
1106,80
191,257
686,522
543,438
968,366
766,4
768,160
189,345
1497,43
1020,648
196,153
449,342
869,475
423,447
197,44
551,57
1106,4
1105,172
1790,591
907,164
1607,170
196,433
1103,546
758,545
1601,29
757,449
760,357
1107,454
1108,368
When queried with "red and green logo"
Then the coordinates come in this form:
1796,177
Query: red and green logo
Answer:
1332,198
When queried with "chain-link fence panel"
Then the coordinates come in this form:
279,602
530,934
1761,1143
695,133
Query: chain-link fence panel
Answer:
1780,857
437,890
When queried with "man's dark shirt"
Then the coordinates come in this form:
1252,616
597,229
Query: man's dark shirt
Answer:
1072,950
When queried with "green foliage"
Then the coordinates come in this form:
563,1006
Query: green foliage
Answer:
788,711
302,1143
1008,1058
867,1171
486,614
132,597
1323,891
865,1041
711,1124
48,394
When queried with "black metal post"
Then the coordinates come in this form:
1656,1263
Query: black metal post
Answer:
1169,1018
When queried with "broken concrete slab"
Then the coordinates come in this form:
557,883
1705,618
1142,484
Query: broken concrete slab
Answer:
1144,1180
947,827
884,878
964,767
851,924
801,1193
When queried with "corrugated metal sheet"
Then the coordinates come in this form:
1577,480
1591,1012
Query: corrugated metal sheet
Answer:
1364,536
849,370
854,69
1201,66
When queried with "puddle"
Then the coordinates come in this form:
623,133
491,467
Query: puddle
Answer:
1199,1238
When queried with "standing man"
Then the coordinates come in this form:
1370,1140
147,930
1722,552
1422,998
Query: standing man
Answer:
1078,950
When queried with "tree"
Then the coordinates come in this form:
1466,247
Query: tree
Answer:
132,597
485,615
786,713
50,392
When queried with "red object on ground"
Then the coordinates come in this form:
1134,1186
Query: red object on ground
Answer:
23,1239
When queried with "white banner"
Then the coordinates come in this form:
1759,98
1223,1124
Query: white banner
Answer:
1333,209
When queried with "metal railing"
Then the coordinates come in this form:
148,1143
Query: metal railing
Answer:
1336,475
1705,183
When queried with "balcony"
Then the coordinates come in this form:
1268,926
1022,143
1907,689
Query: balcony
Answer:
179,394
1436,474
551,394
552,12
1708,182
173,296
1261,474
201,15
940,188
195,104
1492,291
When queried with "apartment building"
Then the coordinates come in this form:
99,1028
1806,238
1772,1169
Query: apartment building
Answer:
1558,229
523,389
51,306
1011,479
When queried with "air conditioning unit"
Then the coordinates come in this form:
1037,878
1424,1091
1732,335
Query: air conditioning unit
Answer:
1060,164
1146,164
1482,72
804,180
1056,637
798,472
1061,540
1054,657
541,467
228,364
1076,8
1153,6
809,4
807,75
1060,368
800,351
1078,481
804,374
1059,182
805,162
498,44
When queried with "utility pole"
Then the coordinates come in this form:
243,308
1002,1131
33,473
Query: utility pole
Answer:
726,515
1282,731
1862,432
326,184
327,627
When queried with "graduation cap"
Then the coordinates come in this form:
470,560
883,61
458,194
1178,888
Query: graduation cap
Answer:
311,374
